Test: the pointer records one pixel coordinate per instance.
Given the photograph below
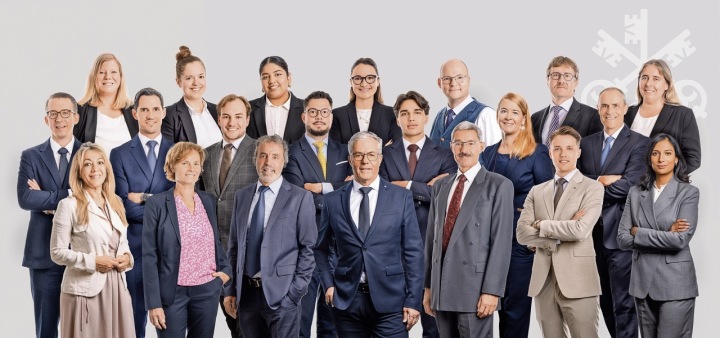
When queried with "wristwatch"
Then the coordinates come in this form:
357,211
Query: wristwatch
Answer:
145,196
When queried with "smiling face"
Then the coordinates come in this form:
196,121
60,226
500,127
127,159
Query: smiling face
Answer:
365,170
466,148
564,151
663,159
652,84
454,91
93,171
233,120
561,89
188,169
149,115
412,120
510,117
364,90
61,128
612,109
275,82
318,125
269,162
192,81
107,79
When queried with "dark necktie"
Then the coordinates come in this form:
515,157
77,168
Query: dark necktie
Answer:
560,186
151,157
255,234
453,212
449,116
225,163
554,123
364,216
412,161
606,149
63,166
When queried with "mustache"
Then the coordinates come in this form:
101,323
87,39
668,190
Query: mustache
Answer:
463,154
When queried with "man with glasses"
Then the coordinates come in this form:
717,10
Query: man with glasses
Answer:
562,79
42,183
454,81
319,165
376,288
469,241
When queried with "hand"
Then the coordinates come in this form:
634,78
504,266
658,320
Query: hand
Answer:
410,317
329,295
157,318
633,230
608,179
33,184
680,225
313,187
135,197
401,184
486,305
532,248
388,143
349,178
578,215
105,263
426,302
225,278
230,306
122,262
438,177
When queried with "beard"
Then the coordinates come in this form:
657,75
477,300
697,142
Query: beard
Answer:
318,133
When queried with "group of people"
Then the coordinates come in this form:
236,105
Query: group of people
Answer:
282,208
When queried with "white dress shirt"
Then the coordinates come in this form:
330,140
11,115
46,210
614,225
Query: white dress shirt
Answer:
276,117
206,128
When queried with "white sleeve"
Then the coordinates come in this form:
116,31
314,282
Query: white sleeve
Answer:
487,121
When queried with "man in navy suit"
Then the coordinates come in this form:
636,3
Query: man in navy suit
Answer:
138,168
416,164
615,158
376,288
318,165
42,183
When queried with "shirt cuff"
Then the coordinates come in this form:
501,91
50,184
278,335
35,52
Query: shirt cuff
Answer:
327,188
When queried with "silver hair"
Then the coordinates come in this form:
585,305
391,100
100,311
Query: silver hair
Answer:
272,139
364,135
467,125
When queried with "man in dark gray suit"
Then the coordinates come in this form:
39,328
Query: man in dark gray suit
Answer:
229,167
469,241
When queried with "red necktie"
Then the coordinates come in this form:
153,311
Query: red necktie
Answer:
453,212
412,161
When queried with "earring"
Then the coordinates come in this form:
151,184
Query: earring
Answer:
522,127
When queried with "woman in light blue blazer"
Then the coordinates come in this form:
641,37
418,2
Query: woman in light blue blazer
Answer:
659,220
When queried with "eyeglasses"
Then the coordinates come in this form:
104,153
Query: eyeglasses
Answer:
458,144
65,113
312,112
357,79
372,157
458,78
565,76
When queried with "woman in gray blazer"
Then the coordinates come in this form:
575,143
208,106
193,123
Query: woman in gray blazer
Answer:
659,219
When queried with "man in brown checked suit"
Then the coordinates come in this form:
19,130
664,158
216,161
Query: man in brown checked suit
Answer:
557,219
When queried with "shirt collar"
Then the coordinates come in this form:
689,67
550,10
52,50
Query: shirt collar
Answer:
235,143
285,105
565,105
470,173
312,140
420,143
462,105
375,185
192,111
144,139
274,186
615,134
56,146
567,177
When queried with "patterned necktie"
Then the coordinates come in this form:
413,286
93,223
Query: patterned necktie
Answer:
364,216
321,156
606,149
560,187
412,161
554,123
63,166
255,234
225,163
453,212
151,157
449,116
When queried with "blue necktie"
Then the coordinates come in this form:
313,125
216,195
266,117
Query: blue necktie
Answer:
255,234
554,123
364,216
63,166
449,116
151,157
606,149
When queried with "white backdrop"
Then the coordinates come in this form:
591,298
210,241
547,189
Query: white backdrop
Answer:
50,46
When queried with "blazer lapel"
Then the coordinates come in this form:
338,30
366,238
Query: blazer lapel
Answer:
48,157
280,203
569,191
353,118
646,205
662,120
259,116
345,201
159,173
549,195
296,109
332,159
573,114
618,144
375,117
172,211
427,155
397,155
596,144
312,159
214,153
468,206
382,200
444,199
666,198
186,120
138,153
242,152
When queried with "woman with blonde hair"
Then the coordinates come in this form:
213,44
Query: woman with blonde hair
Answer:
526,163
89,238
105,110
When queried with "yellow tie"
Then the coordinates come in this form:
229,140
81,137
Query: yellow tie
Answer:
321,157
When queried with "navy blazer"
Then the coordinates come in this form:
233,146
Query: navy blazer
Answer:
583,118
303,167
294,128
161,247
680,123
177,126
39,163
382,122
391,253
626,158
433,161
86,127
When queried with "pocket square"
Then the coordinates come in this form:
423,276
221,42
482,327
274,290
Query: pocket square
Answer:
341,162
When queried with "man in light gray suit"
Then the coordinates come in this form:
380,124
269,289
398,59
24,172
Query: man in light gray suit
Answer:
469,240
229,167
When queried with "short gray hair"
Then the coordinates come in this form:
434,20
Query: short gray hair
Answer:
467,125
272,139
364,135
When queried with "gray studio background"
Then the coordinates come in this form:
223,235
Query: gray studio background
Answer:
50,46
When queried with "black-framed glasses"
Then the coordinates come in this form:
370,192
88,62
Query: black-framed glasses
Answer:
458,78
565,76
312,112
65,113
458,144
357,79
372,157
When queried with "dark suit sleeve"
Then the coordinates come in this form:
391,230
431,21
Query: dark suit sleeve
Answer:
498,261
323,249
335,132
133,211
232,252
689,139
292,172
430,235
395,133
307,237
412,246
422,191
634,169
35,200
150,255
542,165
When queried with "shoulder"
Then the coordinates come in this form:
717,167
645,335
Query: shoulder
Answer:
172,109
688,189
495,178
539,113
68,202
383,108
342,109
34,150
583,108
638,139
589,183
584,142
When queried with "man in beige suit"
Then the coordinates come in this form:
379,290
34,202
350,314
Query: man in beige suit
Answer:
557,220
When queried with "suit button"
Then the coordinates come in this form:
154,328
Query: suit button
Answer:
464,263
219,199
442,139
477,224
364,249
470,243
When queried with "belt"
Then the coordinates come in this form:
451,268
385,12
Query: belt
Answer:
364,288
254,282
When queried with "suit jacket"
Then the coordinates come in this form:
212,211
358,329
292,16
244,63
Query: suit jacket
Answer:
86,127
286,255
178,126
678,122
573,260
391,252
583,118
303,167
294,129
382,122
242,173
626,158
662,266
161,247
478,255
76,246
471,113
39,163
432,162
